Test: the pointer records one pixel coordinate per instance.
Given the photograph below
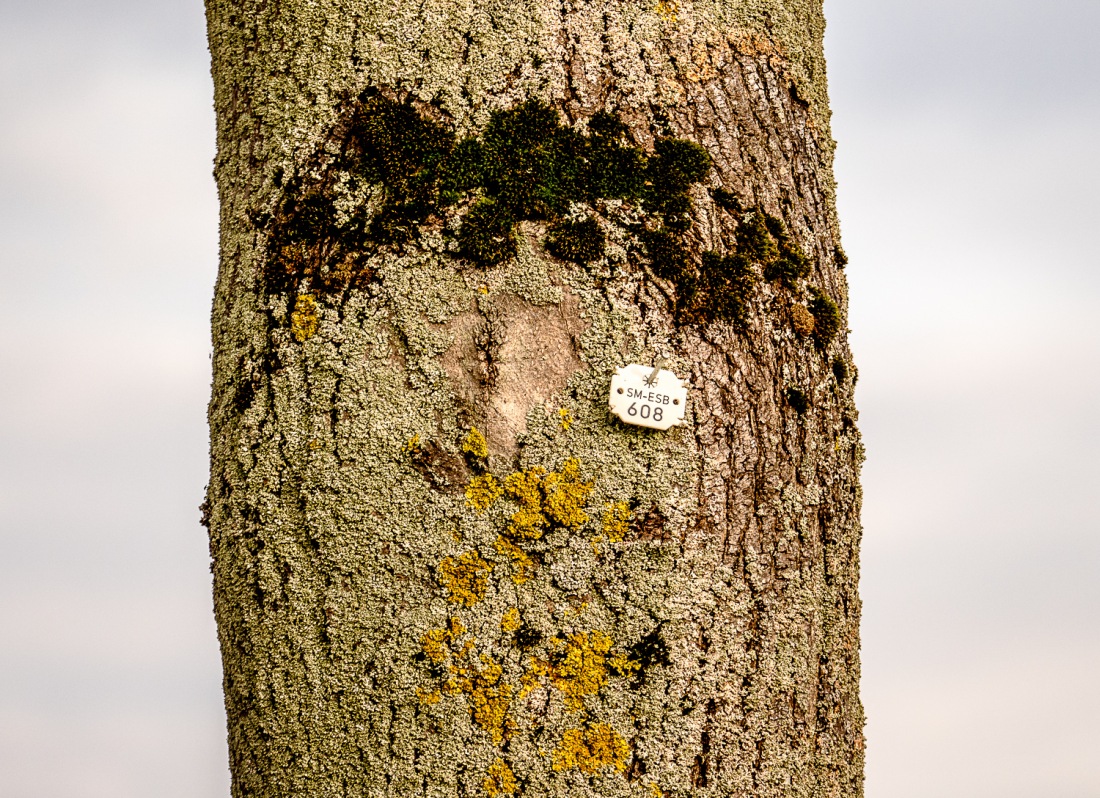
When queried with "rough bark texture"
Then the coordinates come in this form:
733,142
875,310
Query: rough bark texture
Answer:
686,620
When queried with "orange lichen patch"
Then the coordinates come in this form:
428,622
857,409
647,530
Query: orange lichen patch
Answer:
616,521
523,487
581,669
427,697
591,750
566,495
465,578
487,696
802,321
436,643
558,496
482,492
511,621
623,666
501,780
303,321
474,444
521,563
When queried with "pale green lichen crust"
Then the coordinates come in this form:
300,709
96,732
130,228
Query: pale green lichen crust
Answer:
560,605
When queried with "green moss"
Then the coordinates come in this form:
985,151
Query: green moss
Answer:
614,167
581,241
668,256
797,400
826,315
487,234
726,200
724,287
840,257
840,369
525,165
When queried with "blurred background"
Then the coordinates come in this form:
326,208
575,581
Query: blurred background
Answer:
968,172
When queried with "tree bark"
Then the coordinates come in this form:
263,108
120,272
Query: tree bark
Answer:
678,612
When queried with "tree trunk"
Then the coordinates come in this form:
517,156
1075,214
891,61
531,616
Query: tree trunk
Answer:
441,567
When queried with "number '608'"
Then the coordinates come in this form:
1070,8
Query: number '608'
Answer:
658,412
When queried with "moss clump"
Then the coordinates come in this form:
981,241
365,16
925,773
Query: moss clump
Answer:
802,321
395,148
722,290
614,168
668,256
525,165
840,257
826,315
840,369
488,233
797,400
726,200
577,241
590,750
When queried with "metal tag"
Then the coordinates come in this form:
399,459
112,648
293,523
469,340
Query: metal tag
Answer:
647,396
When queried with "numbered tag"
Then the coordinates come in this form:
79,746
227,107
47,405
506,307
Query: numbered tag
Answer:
648,397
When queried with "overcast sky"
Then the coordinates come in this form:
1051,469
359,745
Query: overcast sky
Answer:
969,183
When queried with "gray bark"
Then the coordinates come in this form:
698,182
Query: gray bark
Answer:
377,639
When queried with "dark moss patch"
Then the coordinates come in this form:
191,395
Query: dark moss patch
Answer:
578,241
525,165
723,288
826,315
840,257
726,200
797,400
668,256
840,369
487,234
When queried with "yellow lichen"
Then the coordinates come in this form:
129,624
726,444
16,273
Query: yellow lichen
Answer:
566,495
669,10
303,321
511,621
558,496
616,521
465,578
434,644
413,446
474,444
581,669
501,780
482,492
521,563
427,697
591,750
623,666
488,697
566,416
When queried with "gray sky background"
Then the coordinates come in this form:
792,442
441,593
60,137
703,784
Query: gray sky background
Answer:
968,169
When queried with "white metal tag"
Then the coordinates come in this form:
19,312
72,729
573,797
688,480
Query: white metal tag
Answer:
647,396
